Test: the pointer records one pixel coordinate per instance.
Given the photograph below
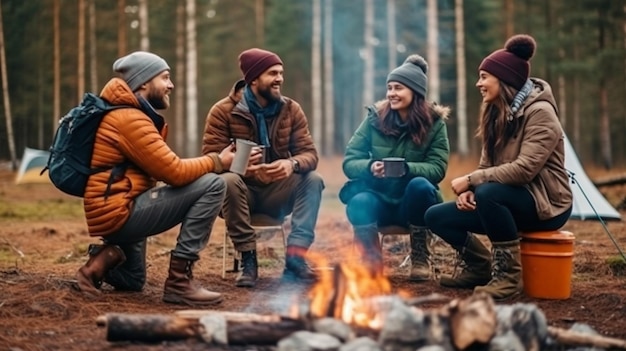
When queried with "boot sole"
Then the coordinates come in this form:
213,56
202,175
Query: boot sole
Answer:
175,299
245,284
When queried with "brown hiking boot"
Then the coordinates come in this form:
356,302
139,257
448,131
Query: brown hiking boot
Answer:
249,270
181,289
506,271
90,275
473,266
421,269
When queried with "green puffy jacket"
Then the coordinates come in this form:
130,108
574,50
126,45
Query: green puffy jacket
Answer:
369,144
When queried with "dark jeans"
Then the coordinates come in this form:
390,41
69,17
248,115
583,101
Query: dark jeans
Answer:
502,211
367,208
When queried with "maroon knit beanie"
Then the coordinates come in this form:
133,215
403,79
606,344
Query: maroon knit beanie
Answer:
510,64
253,62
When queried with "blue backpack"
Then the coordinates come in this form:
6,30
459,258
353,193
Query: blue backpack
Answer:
69,164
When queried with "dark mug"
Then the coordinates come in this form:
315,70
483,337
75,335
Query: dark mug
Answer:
394,167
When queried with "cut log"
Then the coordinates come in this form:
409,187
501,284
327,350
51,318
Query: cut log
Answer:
234,329
571,338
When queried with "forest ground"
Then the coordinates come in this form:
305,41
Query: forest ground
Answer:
43,240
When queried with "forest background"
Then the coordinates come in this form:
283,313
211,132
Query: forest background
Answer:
337,55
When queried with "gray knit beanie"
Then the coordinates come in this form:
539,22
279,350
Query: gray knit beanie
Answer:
412,73
139,67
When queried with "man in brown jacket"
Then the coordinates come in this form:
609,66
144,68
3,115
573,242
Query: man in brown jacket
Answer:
285,182
134,207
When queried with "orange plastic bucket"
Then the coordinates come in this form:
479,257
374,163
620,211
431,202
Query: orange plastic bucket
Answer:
547,264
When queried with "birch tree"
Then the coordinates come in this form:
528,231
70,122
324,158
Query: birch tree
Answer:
144,37
432,31
368,54
191,83
392,47
329,92
316,76
461,80
179,90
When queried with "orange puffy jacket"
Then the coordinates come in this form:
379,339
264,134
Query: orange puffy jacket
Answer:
129,134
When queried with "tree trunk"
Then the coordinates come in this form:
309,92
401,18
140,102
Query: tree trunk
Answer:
605,124
121,28
5,93
434,90
56,100
144,36
461,81
329,92
259,12
179,90
80,74
316,75
192,145
368,54
391,32
93,52
509,14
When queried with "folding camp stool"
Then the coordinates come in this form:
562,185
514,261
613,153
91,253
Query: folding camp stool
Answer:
265,228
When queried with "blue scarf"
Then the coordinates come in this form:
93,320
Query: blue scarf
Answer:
519,99
261,114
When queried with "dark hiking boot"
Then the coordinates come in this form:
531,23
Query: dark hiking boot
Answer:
249,270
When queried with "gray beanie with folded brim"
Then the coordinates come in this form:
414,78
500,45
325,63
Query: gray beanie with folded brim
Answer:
139,68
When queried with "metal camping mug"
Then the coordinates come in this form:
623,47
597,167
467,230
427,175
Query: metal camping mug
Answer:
394,167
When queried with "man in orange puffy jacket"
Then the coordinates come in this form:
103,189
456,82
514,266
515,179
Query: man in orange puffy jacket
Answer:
135,207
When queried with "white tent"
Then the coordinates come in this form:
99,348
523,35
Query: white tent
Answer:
33,162
586,195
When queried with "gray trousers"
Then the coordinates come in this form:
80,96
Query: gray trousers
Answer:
195,206
300,195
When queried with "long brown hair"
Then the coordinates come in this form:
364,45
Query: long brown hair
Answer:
494,129
419,121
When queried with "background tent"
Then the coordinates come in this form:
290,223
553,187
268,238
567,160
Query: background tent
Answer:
33,162
582,208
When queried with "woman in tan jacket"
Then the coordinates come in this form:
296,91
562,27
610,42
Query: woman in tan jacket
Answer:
521,183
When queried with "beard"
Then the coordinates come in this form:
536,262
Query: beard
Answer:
157,100
268,95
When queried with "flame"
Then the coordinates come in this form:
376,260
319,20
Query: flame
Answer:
347,291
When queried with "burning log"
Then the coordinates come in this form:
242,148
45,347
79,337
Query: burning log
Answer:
225,328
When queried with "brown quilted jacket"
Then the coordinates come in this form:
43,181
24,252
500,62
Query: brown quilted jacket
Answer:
129,134
289,135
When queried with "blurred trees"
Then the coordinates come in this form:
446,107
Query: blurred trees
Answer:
581,52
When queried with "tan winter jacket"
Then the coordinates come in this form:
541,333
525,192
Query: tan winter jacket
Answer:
289,135
129,134
535,158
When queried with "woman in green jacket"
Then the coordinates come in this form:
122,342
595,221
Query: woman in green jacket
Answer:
404,126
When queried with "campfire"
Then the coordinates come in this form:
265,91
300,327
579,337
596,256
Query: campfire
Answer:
351,304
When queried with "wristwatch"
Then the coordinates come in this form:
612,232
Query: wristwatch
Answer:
296,166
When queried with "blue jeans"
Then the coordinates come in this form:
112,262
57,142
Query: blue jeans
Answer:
367,207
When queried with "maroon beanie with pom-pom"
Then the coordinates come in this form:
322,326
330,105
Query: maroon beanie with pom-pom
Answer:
510,64
253,62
